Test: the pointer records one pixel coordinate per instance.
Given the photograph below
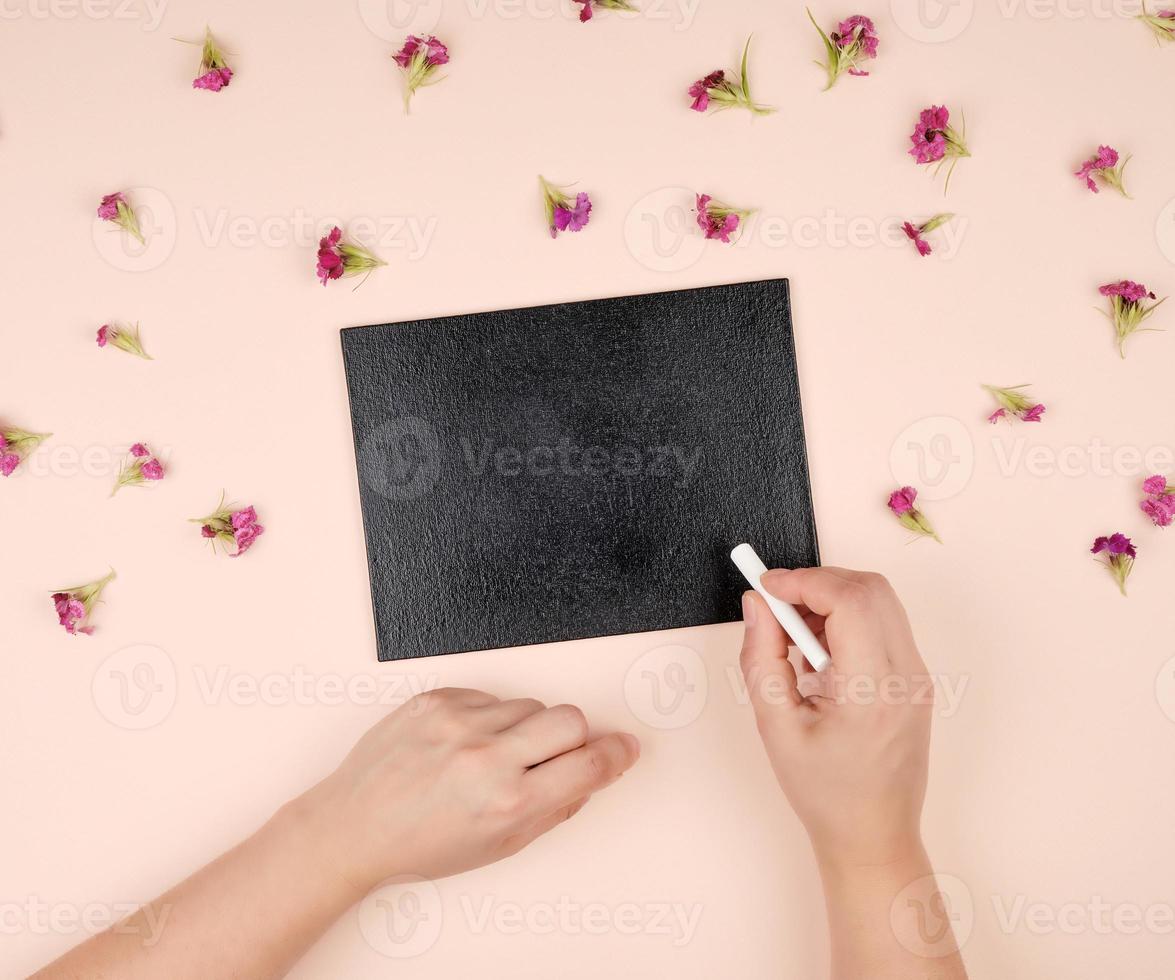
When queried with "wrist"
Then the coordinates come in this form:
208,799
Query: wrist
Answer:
317,830
902,858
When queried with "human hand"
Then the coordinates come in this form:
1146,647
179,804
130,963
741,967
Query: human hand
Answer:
849,745
456,779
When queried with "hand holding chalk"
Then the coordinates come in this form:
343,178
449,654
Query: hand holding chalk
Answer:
793,623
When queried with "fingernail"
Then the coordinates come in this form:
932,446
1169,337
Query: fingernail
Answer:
749,610
774,574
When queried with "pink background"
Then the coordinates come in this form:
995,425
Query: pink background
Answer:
1052,786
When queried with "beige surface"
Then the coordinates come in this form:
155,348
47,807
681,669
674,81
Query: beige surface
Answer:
1052,785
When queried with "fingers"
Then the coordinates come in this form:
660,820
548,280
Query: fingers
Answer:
517,842
822,590
579,773
858,608
506,714
769,676
547,733
462,697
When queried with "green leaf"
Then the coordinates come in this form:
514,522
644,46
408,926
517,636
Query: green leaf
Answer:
746,84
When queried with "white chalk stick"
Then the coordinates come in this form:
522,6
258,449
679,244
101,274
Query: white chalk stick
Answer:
753,568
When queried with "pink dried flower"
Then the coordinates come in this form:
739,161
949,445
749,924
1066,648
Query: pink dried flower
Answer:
1162,23
244,517
700,90
1128,309
586,13
902,501
1152,484
723,90
915,232
902,506
720,221
232,527
1033,414
124,338
1014,404
420,57
117,209
214,80
564,214
1104,166
73,606
915,235
854,40
1161,510
213,74
1159,504
16,445
142,467
337,258
1120,554
936,141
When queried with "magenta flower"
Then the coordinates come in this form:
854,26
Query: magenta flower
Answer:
73,606
124,338
1128,309
854,40
16,445
586,13
722,90
214,80
1013,403
1155,485
720,221
936,141
563,213
915,232
213,74
1159,504
1104,166
915,235
233,527
420,57
337,258
700,90
1162,23
1033,414
117,209
1119,558
142,467
902,506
